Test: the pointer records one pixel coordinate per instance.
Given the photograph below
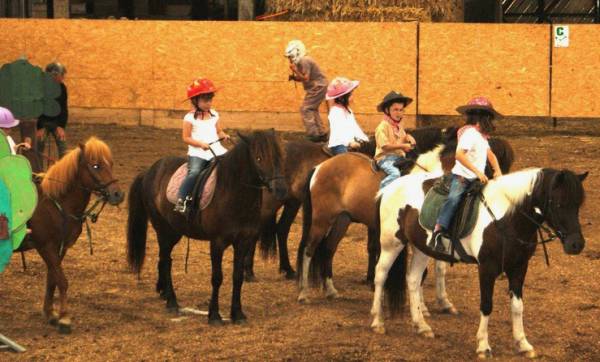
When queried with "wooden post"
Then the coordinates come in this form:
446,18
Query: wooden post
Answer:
61,9
246,10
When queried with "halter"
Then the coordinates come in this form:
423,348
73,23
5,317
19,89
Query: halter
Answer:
552,232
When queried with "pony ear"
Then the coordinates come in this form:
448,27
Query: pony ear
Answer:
583,176
243,138
81,146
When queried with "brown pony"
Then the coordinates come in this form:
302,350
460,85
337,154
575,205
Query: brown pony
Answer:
342,190
301,157
232,218
57,221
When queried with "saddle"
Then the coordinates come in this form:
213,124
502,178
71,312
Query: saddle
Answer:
464,219
204,187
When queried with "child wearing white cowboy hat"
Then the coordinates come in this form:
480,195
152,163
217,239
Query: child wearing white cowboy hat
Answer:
472,153
7,122
305,69
344,131
392,140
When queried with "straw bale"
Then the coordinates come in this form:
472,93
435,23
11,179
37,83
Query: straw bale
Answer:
367,10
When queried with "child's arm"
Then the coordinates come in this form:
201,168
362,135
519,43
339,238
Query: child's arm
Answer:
404,145
220,131
186,135
461,156
298,75
494,162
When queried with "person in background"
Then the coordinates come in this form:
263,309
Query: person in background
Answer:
55,126
304,69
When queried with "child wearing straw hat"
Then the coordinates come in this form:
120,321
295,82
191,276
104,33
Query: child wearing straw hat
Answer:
201,132
344,131
392,140
472,153
304,69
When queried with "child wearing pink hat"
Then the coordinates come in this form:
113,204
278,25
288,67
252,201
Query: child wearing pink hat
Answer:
344,131
7,123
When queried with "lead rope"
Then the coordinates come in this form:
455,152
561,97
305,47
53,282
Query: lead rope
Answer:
187,255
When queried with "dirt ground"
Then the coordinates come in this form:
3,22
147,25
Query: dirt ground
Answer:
118,317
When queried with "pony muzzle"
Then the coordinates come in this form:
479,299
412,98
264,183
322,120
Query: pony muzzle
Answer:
573,243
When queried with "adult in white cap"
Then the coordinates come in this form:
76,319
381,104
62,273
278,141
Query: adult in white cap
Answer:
344,131
304,69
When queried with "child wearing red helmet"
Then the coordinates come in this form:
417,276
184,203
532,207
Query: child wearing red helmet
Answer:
201,132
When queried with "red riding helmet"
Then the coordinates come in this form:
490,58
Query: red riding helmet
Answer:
200,86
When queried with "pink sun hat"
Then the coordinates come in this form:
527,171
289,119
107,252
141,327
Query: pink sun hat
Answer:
479,103
7,120
340,86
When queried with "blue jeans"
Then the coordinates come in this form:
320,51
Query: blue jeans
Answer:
458,187
336,150
195,166
387,165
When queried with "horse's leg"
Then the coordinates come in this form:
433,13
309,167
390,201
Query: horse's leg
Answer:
440,289
290,210
166,242
487,278
516,278
217,247
389,252
64,322
373,249
239,251
338,230
249,263
52,261
317,232
413,279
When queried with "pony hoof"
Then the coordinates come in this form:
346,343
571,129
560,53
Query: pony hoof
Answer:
450,310
333,295
290,275
487,354
53,321
239,322
379,329
64,328
215,322
427,334
530,354
173,309
426,313
250,279
302,299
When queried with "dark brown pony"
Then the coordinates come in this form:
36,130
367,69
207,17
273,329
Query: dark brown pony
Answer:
511,212
232,218
342,190
56,224
301,158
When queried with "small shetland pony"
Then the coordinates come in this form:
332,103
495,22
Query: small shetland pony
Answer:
232,218
57,221
503,240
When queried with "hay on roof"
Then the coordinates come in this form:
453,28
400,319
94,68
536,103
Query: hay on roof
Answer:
367,10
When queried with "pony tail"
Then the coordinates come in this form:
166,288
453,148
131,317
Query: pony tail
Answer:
306,224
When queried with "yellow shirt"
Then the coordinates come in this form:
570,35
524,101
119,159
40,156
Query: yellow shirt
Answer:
385,135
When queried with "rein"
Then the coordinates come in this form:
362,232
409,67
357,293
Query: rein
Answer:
551,234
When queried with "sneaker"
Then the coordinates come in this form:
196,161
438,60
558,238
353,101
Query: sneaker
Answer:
436,243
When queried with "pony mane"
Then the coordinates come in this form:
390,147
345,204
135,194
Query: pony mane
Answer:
505,193
429,162
59,177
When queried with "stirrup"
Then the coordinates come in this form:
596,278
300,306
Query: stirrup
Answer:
436,243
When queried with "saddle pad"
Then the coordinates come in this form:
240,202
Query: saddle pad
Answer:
177,179
465,218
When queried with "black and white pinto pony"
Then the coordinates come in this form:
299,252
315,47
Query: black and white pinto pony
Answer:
503,240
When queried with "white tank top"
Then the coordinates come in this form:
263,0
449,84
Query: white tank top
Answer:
204,130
